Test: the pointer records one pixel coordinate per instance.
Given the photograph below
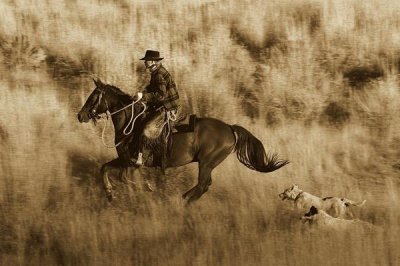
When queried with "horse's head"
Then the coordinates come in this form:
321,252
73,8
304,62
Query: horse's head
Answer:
95,105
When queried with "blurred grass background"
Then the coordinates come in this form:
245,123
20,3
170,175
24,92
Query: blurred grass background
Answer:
316,81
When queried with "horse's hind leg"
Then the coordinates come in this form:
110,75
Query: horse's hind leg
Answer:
207,162
116,163
204,180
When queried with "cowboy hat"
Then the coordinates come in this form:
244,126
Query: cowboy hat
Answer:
152,56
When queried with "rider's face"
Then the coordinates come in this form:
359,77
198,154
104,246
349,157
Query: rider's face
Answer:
148,64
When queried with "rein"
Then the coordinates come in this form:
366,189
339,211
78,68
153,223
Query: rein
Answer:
128,128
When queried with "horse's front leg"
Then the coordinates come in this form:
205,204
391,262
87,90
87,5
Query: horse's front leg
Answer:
116,163
123,173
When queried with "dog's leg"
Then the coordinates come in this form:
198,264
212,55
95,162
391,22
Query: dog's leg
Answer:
295,207
349,212
342,211
334,211
298,205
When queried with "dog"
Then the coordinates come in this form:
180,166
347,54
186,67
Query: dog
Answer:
320,218
337,207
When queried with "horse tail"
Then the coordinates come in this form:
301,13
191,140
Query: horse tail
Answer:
250,152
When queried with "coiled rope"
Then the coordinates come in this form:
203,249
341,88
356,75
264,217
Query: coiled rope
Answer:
128,128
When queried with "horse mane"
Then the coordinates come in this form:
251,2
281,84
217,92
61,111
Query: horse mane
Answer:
123,96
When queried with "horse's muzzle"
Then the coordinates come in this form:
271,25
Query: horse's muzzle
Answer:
83,118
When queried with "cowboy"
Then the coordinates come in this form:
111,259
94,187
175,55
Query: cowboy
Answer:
161,95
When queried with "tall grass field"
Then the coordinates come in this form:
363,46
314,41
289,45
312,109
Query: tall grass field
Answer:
317,81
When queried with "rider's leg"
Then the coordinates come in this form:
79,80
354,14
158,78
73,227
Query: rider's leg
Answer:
138,144
151,130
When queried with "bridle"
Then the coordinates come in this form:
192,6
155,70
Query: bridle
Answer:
93,110
107,114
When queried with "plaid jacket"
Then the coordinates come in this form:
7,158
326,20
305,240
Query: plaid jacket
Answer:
162,90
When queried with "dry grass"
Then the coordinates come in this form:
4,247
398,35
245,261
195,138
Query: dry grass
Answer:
316,81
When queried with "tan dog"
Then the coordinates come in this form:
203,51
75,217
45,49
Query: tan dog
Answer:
322,219
303,200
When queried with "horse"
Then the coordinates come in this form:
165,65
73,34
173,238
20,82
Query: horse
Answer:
209,144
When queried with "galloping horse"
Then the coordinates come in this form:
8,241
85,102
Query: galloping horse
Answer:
209,144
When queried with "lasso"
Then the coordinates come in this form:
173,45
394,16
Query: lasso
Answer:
171,117
129,127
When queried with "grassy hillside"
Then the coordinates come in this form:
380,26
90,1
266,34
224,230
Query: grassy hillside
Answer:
316,81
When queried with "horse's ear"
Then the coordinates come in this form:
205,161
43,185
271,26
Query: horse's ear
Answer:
98,82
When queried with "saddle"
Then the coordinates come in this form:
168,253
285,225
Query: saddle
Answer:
158,144
186,123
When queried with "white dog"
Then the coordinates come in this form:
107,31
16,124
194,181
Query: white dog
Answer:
320,218
303,200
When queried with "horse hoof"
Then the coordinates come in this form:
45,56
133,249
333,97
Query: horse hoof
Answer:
189,194
110,196
149,187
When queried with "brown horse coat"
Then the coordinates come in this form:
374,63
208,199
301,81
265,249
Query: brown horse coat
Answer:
209,144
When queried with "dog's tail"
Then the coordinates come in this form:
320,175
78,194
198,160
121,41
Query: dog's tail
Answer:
348,202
